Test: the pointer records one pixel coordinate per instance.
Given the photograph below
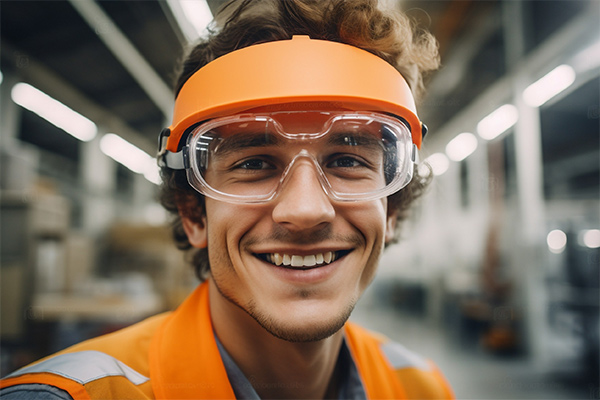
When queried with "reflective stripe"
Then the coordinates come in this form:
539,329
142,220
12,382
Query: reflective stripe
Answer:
84,367
400,357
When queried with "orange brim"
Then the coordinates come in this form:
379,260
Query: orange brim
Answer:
289,71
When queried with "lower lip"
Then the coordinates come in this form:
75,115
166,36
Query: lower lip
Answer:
306,276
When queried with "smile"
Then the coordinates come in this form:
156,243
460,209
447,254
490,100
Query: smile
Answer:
302,262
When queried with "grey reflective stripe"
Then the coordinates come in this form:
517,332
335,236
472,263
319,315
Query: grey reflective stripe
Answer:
400,357
84,367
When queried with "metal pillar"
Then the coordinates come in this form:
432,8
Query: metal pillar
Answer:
526,256
98,180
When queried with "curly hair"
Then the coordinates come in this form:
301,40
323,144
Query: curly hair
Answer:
361,23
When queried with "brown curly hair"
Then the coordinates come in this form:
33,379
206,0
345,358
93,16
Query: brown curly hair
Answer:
361,23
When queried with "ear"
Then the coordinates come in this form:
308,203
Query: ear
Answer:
196,232
390,226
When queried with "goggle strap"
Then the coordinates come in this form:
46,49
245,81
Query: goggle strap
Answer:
177,160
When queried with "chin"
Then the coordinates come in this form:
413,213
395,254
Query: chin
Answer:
303,328
302,333
300,320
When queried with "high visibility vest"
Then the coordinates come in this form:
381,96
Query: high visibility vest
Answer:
175,356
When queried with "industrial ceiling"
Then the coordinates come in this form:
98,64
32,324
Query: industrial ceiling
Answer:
114,61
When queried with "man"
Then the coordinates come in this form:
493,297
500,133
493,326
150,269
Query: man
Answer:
288,164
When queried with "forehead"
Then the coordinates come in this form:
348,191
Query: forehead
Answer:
308,116
295,124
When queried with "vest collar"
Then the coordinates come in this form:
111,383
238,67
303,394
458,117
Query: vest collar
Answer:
185,362
184,359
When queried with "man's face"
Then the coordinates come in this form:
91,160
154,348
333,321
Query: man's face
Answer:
333,248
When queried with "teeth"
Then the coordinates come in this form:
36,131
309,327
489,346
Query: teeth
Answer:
297,261
301,261
309,261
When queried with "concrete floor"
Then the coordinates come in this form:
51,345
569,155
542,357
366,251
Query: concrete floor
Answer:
472,372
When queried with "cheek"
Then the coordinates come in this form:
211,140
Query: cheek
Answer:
370,219
373,224
226,226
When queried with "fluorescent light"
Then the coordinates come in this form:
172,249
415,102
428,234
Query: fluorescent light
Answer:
498,122
152,172
557,241
54,111
438,162
461,146
590,238
193,17
587,59
130,156
1,77
549,85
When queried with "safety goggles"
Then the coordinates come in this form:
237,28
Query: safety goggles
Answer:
296,74
249,158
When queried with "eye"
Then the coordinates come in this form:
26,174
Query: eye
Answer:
345,162
254,164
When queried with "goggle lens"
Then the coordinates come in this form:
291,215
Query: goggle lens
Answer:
246,158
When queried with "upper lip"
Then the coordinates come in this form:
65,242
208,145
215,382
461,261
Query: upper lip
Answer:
302,252
295,260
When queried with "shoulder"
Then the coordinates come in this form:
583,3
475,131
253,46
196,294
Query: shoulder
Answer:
129,345
82,367
34,391
418,376
119,360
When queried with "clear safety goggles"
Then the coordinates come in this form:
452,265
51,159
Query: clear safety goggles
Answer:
250,158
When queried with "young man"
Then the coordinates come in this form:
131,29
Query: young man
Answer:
288,164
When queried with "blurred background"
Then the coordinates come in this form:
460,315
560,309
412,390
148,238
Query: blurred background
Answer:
496,275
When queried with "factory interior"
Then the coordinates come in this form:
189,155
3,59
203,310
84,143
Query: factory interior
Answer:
496,273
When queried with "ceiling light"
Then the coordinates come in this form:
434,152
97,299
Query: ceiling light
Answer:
588,58
499,121
549,85
54,111
152,172
461,146
557,241
130,156
193,17
591,238
438,162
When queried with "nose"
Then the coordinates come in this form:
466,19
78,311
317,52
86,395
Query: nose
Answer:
302,203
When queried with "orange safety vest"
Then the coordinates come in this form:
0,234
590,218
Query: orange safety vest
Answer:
175,356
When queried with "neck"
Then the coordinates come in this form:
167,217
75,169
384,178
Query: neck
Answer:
277,369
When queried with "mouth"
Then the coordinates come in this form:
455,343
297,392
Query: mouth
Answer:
305,262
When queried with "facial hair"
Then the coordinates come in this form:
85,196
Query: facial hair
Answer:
291,334
280,330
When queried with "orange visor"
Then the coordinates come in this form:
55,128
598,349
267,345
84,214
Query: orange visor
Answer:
300,70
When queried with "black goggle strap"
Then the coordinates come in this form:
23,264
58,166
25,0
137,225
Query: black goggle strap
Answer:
166,158
169,159
172,160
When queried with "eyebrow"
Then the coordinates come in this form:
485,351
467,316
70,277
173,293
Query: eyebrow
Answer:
242,141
